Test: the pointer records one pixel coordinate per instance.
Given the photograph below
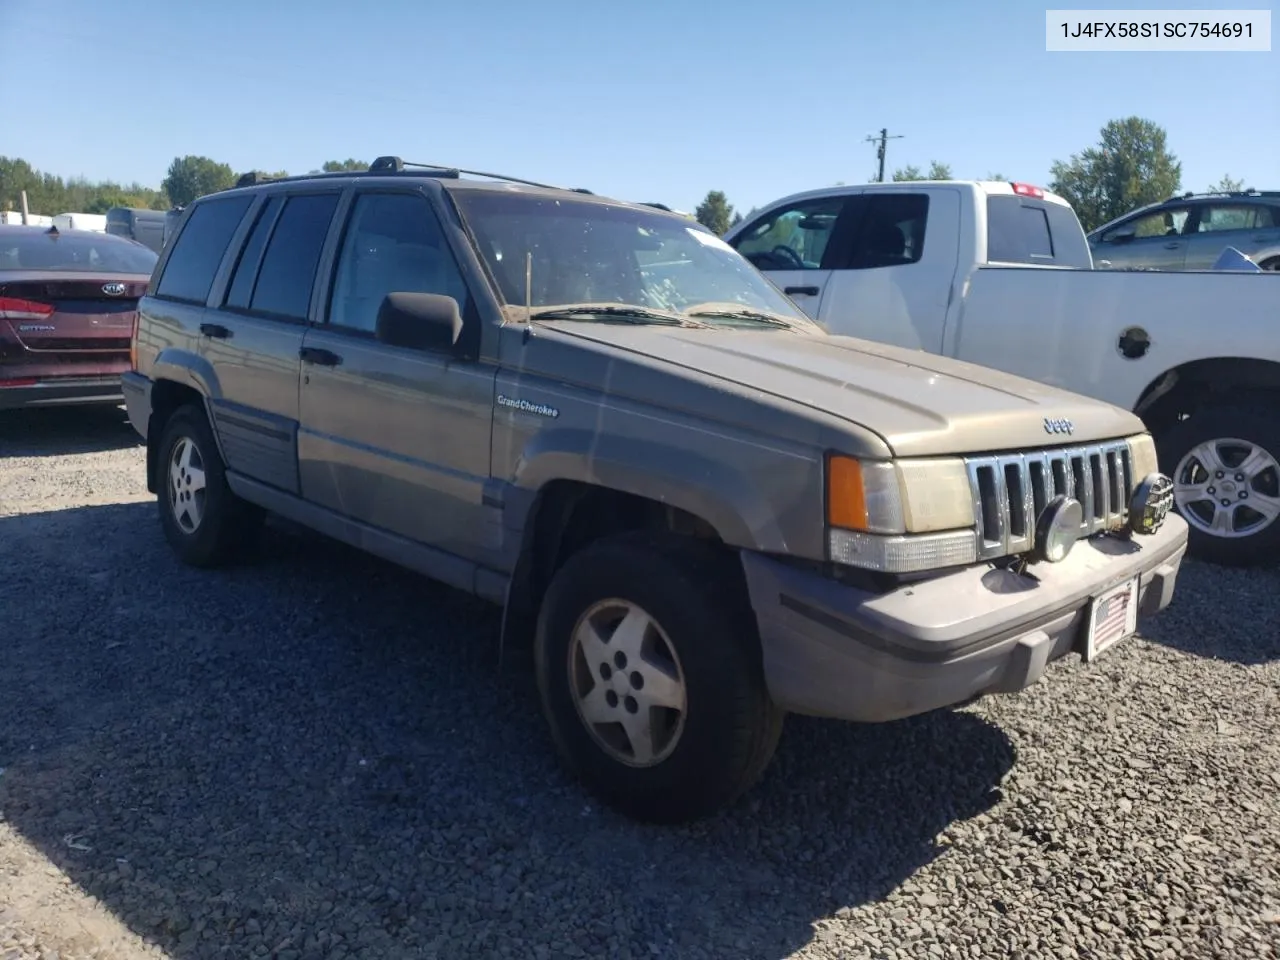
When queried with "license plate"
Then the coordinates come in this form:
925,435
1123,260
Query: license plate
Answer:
1113,616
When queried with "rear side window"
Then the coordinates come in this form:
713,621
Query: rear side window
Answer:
1030,231
891,231
198,251
288,272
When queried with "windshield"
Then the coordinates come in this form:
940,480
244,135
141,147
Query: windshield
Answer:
589,252
97,252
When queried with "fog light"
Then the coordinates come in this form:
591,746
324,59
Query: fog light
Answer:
1058,528
1151,503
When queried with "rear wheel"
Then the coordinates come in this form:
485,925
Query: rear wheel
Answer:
1271,265
1225,465
649,671
205,523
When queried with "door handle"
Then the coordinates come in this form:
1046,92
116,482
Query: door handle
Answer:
807,291
215,330
1172,246
320,356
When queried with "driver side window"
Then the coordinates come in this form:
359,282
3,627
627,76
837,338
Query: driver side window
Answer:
793,237
1162,223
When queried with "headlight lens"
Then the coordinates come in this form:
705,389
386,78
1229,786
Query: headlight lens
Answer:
900,517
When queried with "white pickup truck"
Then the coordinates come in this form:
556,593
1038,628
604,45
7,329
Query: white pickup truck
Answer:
1001,274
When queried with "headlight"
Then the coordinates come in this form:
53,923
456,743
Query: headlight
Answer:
899,517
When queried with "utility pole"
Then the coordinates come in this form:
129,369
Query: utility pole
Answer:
882,140
26,214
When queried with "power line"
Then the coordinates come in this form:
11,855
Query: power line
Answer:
882,141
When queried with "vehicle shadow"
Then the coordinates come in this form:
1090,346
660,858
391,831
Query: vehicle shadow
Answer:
311,755
1194,622
61,431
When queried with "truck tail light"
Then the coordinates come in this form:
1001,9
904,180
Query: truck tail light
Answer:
11,308
1027,190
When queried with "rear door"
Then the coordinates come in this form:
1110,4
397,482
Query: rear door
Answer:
892,277
794,244
252,337
1248,227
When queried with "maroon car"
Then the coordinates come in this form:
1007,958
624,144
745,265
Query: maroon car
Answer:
68,302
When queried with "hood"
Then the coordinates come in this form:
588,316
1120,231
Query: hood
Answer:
921,404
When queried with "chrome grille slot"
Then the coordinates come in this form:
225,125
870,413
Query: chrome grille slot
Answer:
1011,490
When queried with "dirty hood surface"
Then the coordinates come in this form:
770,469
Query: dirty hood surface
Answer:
921,404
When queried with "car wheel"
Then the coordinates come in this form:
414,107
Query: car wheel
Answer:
1225,465
205,523
1272,265
649,671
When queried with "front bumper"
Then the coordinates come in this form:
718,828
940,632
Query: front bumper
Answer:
61,391
832,650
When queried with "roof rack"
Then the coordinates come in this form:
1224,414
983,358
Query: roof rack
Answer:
1249,192
392,164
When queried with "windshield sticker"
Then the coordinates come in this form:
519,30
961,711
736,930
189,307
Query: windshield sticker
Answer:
709,239
541,409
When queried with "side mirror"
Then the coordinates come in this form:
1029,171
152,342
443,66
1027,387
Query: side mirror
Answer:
419,321
1123,235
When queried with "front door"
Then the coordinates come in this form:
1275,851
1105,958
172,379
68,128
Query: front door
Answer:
393,437
892,279
790,245
1150,241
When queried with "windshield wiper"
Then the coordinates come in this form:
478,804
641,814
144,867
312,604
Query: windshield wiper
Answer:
624,313
743,313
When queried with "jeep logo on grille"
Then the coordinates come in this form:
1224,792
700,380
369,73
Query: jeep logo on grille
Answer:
1058,426
113,289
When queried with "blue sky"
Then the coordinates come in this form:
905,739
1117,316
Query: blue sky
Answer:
658,101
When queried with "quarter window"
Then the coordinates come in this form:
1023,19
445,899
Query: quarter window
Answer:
393,244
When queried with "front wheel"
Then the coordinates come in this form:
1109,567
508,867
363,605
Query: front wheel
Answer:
649,672
1225,465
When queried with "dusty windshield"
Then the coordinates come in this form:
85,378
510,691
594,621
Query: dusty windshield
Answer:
606,256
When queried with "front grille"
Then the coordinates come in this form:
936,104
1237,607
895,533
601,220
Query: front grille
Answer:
1011,490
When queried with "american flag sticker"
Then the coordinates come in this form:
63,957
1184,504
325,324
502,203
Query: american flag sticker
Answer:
1114,617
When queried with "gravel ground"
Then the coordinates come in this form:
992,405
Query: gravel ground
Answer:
313,756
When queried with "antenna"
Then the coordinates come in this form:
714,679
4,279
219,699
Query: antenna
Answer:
882,139
528,286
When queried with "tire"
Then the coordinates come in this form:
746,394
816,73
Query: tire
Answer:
226,525
1272,265
729,729
1231,431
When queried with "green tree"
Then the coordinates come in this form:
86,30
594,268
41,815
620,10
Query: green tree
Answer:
937,171
1227,184
49,195
996,176
1130,166
344,166
190,177
715,212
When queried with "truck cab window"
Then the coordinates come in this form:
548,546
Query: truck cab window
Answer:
794,237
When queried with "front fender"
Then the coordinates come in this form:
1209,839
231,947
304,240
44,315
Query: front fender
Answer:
758,497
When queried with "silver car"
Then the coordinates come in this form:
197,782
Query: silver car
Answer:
1191,231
